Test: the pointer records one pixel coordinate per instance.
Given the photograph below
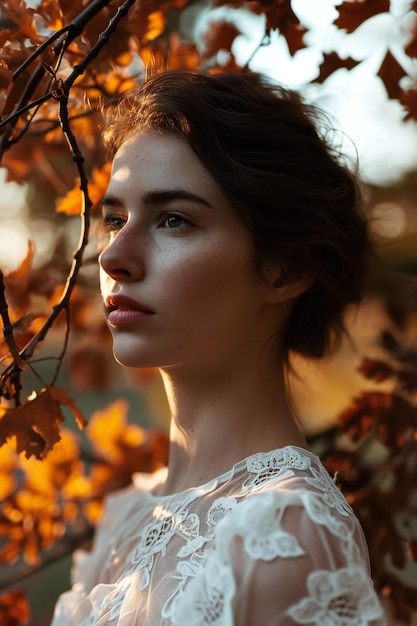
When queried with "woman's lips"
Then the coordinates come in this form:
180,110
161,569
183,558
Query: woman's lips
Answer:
124,311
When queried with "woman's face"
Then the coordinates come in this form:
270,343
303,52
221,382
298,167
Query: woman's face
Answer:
177,275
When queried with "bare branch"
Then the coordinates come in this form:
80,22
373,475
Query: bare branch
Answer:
8,328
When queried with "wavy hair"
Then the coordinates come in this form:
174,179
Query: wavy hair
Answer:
267,149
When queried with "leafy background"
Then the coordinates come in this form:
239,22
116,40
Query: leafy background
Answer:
61,62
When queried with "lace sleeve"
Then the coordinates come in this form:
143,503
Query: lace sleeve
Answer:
282,560
91,567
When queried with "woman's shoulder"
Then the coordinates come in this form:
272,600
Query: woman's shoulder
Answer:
292,473
287,493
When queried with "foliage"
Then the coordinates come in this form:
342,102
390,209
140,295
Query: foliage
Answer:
61,63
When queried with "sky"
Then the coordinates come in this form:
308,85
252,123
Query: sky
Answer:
371,125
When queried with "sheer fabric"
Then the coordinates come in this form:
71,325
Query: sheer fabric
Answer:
272,542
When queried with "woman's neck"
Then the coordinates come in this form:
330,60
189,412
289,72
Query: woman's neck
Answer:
218,420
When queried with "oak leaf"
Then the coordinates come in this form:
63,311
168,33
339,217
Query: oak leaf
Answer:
23,18
51,13
331,63
353,14
391,73
6,84
408,98
35,424
72,202
8,466
219,36
411,47
14,609
280,16
376,370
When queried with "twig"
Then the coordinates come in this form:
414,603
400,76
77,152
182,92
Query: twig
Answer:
59,551
62,95
73,30
8,328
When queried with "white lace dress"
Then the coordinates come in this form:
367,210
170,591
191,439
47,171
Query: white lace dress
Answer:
272,542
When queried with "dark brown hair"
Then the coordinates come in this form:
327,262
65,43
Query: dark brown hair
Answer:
266,149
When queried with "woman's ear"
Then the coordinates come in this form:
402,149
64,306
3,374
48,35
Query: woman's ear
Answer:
284,286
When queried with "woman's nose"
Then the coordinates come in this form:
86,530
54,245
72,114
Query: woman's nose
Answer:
121,258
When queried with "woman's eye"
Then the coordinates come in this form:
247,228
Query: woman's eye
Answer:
113,222
173,220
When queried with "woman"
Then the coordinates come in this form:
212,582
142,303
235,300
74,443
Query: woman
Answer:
234,238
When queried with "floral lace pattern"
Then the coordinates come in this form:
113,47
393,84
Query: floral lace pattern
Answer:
173,560
337,598
264,467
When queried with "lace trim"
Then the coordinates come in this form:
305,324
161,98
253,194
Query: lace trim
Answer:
266,466
330,492
342,598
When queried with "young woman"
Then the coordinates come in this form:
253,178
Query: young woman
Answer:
235,237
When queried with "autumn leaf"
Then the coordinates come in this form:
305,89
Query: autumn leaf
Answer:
331,63
219,36
280,16
155,26
182,55
35,424
408,99
391,73
17,283
376,370
9,462
353,13
6,84
411,47
23,18
72,203
51,13
14,609
108,428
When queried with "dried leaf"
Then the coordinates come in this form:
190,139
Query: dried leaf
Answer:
331,63
14,609
155,26
353,14
376,370
72,203
220,36
411,47
51,12
408,99
280,16
35,424
391,73
23,17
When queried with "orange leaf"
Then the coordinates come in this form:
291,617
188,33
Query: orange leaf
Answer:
353,14
219,36
156,26
408,99
391,73
36,423
280,16
14,609
333,62
376,370
108,431
71,204
60,396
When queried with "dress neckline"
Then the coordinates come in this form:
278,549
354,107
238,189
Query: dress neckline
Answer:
150,482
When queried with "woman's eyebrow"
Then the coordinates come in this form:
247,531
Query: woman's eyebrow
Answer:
159,196
111,201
